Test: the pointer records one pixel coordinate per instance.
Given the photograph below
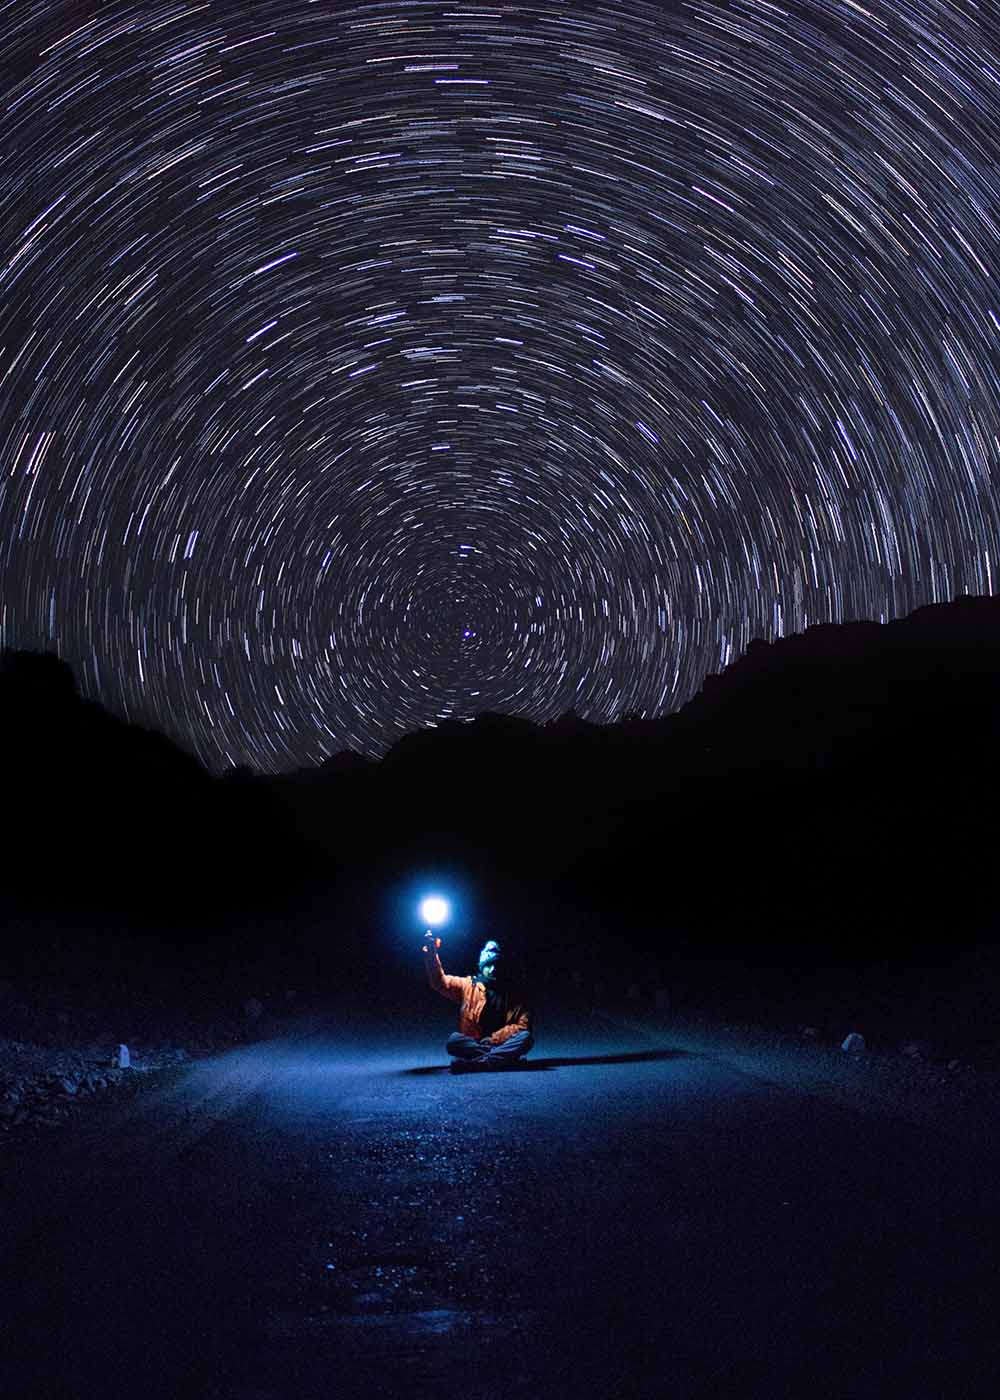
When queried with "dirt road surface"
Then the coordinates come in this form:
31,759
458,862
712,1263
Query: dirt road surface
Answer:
332,1214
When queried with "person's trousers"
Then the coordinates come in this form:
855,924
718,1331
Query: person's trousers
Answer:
463,1047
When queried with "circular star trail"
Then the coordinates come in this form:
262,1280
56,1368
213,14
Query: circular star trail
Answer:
364,365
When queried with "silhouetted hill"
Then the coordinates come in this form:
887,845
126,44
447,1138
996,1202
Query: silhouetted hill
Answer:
818,699
832,795
831,798
347,761
100,813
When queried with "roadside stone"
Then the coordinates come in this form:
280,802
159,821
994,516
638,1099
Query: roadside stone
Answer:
915,1049
853,1044
810,1033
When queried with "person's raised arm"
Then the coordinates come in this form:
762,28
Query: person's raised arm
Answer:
450,987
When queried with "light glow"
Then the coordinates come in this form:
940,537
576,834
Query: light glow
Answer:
434,910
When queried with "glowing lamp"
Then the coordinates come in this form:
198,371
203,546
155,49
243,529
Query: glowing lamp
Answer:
434,910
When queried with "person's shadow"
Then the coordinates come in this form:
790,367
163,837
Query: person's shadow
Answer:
560,1061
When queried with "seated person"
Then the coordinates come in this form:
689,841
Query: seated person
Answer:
494,1020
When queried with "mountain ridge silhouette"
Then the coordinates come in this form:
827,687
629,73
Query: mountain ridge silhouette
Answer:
849,766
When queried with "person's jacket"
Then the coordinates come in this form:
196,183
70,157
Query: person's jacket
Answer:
471,997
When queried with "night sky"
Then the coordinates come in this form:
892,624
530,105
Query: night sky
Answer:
364,365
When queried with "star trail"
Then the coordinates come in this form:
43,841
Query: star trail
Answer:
367,365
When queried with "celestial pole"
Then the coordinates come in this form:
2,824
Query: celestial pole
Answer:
364,365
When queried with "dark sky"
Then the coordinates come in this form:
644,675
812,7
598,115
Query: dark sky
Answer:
365,364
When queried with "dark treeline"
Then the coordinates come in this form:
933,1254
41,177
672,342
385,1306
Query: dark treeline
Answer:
825,814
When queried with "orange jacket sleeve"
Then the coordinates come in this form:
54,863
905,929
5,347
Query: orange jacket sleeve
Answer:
450,987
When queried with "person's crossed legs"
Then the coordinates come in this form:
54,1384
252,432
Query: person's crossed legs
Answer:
463,1047
513,1048
468,1051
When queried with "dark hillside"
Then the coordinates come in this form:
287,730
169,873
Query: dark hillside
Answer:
826,809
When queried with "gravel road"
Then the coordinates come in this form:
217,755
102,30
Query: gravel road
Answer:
652,1210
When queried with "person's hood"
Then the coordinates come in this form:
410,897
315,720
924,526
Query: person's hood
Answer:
489,959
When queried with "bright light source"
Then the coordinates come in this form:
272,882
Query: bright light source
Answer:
434,909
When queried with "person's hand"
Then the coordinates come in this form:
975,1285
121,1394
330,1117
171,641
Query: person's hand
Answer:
431,944
487,1042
